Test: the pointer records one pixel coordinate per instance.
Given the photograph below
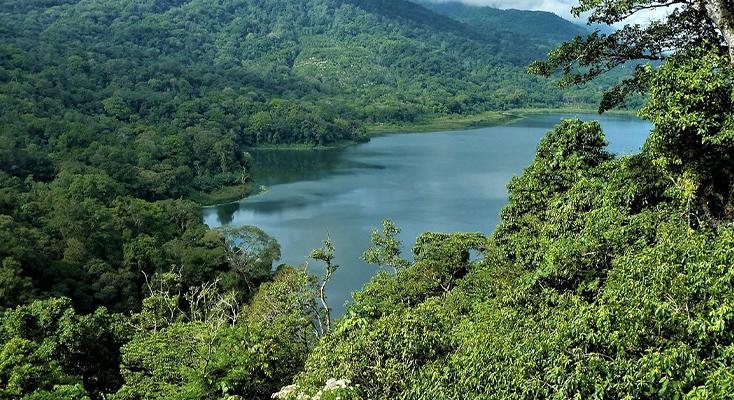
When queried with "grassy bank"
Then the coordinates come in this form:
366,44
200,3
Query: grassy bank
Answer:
302,146
528,111
489,118
445,123
225,195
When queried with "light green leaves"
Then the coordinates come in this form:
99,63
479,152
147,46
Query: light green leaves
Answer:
386,248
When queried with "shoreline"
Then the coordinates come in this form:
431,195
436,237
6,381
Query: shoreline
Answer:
482,120
260,190
448,123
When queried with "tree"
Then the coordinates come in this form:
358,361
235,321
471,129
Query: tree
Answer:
567,153
175,325
290,301
46,349
14,287
250,254
692,107
386,248
691,99
687,26
325,254
198,344
443,258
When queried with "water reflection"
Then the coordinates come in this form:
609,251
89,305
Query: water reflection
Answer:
225,212
273,167
441,181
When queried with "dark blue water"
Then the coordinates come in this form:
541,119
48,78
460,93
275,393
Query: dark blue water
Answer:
441,181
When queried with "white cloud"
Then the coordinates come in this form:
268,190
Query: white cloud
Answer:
644,17
558,7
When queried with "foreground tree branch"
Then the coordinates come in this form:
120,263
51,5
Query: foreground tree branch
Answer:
689,25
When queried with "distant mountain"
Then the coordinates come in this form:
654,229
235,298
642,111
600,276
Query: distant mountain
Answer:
522,36
530,25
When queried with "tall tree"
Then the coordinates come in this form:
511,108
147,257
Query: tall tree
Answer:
250,255
691,100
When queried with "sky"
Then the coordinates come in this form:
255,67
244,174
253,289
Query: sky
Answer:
559,7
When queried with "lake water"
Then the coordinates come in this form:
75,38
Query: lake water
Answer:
442,181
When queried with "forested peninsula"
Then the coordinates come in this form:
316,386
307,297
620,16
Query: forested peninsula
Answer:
608,277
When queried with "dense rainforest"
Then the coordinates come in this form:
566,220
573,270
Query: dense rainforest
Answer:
118,117
165,97
608,277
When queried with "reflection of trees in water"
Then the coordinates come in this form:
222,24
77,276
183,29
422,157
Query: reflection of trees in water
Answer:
284,166
225,212
272,167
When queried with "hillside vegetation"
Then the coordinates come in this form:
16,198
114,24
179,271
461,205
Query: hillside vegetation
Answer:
608,277
114,114
166,96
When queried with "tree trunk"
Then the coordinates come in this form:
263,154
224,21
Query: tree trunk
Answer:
722,13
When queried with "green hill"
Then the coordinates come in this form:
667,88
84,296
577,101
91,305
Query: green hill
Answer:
518,34
164,85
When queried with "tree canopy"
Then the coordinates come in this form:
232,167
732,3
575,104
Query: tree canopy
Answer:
679,26
608,276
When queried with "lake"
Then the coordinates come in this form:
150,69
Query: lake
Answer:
441,181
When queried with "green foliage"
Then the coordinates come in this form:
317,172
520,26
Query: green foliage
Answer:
289,303
386,248
683,27
198,345
381,356
48,351
564,156
14,287
77,236
692,108
250,254
397,324
593,286
189,361
603,279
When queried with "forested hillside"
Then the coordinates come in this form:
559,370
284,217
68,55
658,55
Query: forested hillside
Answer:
164,96
520,34
114,114
608,277
530,35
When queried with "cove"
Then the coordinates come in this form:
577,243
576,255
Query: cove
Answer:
441,181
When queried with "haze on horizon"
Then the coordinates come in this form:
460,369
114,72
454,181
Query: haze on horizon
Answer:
561,8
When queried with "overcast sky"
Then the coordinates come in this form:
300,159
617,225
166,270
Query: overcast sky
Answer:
560,7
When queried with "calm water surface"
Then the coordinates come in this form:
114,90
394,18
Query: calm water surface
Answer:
442,181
